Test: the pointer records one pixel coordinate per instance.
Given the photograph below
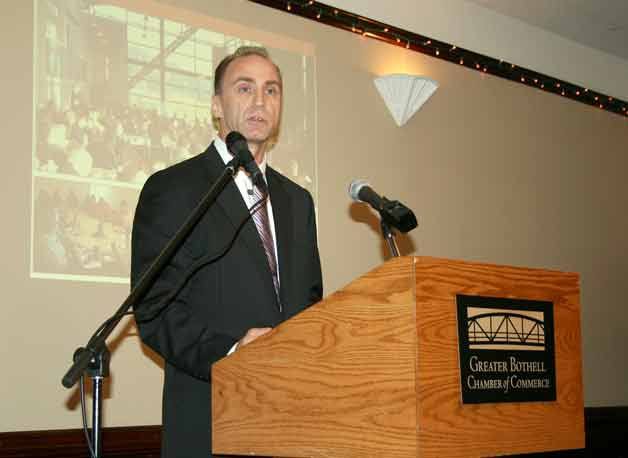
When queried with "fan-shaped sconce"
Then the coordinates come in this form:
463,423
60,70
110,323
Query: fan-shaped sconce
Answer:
404,94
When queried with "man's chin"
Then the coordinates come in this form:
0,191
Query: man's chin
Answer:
256,138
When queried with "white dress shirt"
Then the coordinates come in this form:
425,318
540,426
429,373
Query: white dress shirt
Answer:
245,185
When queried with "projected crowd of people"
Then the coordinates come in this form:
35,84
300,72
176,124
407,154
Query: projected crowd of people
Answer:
77,233
114,143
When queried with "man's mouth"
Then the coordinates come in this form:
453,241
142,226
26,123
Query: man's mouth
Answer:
255,119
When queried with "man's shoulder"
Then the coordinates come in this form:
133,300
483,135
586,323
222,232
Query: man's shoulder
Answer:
183,174
287,184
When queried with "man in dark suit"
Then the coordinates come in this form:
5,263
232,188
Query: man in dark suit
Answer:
242,295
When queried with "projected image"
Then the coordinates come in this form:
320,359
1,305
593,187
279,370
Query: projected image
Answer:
82,228
121,93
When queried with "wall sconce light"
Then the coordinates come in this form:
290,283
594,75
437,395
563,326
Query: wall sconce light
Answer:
404,94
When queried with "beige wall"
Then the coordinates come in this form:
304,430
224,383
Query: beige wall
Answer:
494,171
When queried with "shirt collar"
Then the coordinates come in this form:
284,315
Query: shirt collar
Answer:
226,156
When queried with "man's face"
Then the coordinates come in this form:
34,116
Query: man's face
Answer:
250,101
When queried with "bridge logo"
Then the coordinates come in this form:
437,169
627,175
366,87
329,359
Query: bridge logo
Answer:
504,329
506,349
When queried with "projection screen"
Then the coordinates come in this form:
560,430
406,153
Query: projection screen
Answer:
123,89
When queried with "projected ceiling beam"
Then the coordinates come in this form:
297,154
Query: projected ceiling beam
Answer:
153,64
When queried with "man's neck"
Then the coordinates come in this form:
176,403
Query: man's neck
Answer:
258,151
226,154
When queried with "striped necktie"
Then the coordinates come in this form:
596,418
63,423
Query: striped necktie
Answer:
262,223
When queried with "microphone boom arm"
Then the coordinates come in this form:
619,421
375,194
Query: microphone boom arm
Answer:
93,359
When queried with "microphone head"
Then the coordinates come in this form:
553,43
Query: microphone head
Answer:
238,146
354,189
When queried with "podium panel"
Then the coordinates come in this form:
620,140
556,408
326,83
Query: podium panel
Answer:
446,427
373,371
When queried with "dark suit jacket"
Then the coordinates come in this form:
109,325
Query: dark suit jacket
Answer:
222,300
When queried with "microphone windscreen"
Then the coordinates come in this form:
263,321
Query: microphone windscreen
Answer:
354,189
238,146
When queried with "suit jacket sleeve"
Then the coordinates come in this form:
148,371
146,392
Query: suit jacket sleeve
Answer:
176,333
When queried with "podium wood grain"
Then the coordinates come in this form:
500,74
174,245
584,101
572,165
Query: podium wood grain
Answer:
372,371
336,380
449,428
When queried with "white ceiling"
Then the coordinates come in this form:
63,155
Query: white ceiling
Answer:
599,24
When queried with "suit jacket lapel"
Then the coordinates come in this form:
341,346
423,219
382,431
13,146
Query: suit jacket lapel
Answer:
232,204
283,229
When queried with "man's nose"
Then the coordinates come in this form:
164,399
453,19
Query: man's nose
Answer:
259,98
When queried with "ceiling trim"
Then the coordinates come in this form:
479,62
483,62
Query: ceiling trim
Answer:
395,36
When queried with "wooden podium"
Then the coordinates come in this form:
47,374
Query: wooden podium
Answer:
373,371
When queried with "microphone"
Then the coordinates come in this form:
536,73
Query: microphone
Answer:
239,147
392,212
361,191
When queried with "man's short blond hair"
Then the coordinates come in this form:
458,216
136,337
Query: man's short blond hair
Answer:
242,51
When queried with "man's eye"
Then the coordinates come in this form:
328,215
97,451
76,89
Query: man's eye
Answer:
244,89
272,91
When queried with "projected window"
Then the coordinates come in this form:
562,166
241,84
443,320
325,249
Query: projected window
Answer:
121,93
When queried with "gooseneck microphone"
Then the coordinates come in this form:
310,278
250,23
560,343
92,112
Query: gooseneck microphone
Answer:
392,212
239,147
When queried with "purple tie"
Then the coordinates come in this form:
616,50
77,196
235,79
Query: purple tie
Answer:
262,223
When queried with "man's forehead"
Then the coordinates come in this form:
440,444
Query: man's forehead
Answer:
252,67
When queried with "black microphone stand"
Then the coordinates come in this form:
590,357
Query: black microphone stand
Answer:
389,235
394,215
93,359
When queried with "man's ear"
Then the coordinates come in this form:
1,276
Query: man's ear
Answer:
217,107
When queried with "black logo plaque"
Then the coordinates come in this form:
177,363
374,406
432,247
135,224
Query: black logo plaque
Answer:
506,349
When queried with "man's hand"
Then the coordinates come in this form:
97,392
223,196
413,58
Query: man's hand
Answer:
251,335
